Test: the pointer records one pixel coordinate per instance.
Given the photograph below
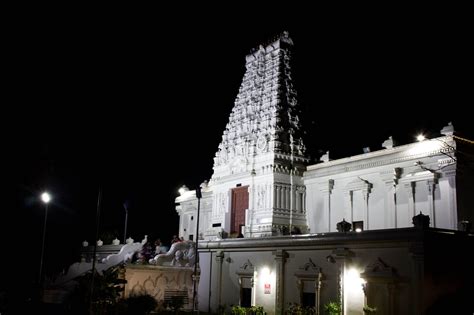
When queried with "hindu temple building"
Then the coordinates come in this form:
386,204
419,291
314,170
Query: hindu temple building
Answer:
387,231
376,230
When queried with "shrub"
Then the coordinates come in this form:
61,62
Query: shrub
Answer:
369,310
297,309
332,308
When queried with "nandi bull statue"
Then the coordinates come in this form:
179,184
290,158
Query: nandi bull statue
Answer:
181,254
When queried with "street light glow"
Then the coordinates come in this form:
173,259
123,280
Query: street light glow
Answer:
420,137
45,197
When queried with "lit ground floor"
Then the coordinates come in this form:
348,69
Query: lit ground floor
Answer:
399,271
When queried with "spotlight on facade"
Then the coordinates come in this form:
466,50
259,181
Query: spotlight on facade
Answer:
420,137
353,288
358,226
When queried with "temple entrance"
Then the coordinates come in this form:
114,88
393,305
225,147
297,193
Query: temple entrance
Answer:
240,203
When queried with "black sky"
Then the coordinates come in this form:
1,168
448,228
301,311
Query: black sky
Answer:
139,108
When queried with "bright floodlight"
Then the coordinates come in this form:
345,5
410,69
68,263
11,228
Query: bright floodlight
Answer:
420,137
358,230
45,197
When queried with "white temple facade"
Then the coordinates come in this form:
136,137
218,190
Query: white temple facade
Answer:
262,184
385,189
268,220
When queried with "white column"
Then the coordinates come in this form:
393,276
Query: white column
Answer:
452,201
280,259
297,200
283,197
366,193
304,201
278,197
326,190
390,204
219,260
431,186
410,188
351,200
347,207
274,197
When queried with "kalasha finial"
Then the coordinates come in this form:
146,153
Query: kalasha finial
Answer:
421,221
343,226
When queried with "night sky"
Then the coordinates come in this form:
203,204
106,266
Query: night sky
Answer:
139,109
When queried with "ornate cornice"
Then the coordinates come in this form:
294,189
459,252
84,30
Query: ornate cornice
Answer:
438,146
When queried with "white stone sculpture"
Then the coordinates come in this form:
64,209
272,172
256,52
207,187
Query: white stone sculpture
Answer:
116,241
448,130
129,240
181,254
100,242
85,243
388,144
79,268
125,254
325,157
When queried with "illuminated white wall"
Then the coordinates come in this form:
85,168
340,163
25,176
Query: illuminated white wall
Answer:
353,294
265,275
205,285
385,188
220,276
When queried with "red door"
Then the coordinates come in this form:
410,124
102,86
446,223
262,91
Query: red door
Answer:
240,203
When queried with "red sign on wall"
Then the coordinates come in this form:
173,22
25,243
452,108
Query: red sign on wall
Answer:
267,288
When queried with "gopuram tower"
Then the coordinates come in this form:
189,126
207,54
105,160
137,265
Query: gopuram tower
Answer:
256,189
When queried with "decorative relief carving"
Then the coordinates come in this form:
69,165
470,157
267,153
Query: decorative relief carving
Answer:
222,202
247,269
262,143
265,112
247,265
379,269
154,281
310,266
261,193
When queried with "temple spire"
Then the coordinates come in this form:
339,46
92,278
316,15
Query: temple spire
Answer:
265,118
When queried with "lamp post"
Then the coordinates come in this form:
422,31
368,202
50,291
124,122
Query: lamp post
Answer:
45,198
196,254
